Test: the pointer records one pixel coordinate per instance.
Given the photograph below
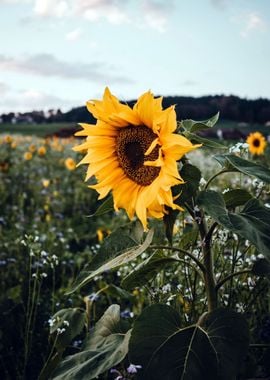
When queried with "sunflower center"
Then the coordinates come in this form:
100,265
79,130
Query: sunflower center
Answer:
256,143
131,144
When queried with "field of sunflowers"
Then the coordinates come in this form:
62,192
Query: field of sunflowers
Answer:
52,226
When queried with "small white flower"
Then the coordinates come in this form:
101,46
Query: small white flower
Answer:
66,323
166,288
43,254
226,190
44,275
51,321
196,208
60,331
133,368
34,275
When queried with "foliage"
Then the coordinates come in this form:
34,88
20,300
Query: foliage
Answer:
185,300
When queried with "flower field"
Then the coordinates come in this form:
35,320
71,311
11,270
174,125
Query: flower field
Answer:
71,264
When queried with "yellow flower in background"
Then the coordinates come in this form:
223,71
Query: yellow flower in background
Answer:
13,145
42,151
133,152
70,164
32,148
257,143
28,156
8,139
45,183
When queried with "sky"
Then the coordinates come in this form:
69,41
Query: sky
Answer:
61,53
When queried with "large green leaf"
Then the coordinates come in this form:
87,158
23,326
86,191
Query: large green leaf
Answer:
67,324
202,140
236,197
107,263
106,346
233,162
147,270
124,237
252,223
212,351
194,126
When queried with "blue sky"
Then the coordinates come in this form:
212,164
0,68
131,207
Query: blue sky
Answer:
60,53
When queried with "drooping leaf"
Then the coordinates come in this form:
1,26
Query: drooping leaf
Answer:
236,197
169,220
194,126
196,139
106,346
167,351
250,168
124,237
105,207
67,324
252,223
147,270
112,263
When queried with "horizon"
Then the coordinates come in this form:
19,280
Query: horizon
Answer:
61,54
134,100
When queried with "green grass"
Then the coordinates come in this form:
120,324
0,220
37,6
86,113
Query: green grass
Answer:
34,129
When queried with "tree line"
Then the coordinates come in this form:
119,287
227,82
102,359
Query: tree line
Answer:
230,108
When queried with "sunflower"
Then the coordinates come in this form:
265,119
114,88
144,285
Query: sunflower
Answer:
70,164
42,151
133,152
257,143
28,156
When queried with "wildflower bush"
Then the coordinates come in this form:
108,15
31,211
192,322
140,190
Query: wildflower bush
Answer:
177,292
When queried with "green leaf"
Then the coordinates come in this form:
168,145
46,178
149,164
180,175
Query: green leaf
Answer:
106,346
202,140
189,238
147,270
115,291
194,126
236,197
252,223
261,267
233,162
169,220
192,176
71,323
167,351
105,207
112,263
124,237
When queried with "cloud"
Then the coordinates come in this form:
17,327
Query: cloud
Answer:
49,66
156,13
219,4
4,88
143,13
14,1
51,8
74,35
252,22
32,99
112,11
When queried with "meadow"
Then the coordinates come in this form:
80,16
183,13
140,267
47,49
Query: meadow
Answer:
51,227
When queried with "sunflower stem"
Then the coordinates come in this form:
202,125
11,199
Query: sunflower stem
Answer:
209,278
